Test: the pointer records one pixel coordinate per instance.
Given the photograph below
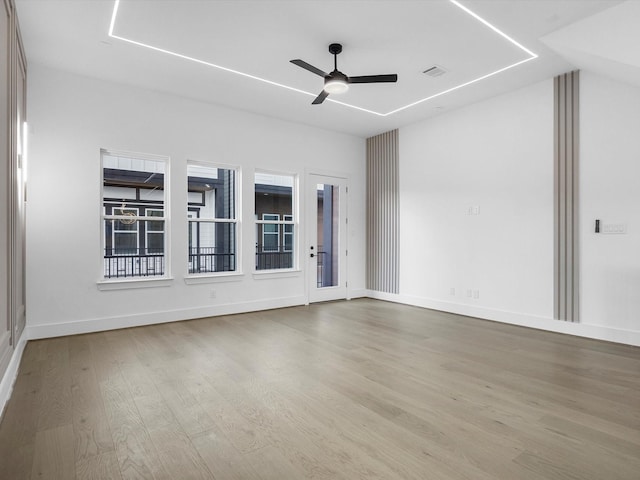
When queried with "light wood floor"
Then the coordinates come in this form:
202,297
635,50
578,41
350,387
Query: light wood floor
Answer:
345,390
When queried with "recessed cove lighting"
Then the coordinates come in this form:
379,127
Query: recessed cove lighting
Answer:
335,87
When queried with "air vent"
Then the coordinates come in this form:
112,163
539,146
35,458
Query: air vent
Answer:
435,71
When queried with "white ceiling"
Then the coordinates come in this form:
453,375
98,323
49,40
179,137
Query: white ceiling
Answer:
258,38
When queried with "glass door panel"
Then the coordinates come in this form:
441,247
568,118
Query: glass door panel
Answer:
327,248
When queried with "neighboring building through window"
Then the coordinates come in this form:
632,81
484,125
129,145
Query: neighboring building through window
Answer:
133,200
288,234
211,212
275,221
270,233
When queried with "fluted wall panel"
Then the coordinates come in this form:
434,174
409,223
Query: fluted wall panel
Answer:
566,163
383,213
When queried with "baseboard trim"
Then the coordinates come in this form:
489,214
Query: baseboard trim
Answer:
358,293
138,320
11,373
596,332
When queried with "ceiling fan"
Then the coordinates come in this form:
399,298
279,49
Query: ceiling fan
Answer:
338,82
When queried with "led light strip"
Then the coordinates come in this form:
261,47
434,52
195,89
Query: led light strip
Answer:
532,56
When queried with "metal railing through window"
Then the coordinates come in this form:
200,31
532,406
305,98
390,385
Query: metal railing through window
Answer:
211,259
133,262
273,258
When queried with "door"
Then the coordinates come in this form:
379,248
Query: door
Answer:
326,248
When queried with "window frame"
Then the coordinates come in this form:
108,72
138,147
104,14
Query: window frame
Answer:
129,281
236,221
295,209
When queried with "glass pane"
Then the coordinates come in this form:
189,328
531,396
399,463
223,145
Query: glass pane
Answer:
274,202
328,225
212,247
211,191
288,238
270,243
126,224
273,194
132,187
155,226
126,179
155,243
125,243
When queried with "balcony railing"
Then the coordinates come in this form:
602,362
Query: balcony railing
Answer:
211,259
321,256
267,259
133,262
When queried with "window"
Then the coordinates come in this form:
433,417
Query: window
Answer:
155,232
270,233
288,234
275,221
211,212
125,232
133,201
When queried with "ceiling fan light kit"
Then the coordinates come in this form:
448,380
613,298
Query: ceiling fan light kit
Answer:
337,82
335,86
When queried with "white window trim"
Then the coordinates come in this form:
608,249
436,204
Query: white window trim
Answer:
133,282
295,270
130,282
196,278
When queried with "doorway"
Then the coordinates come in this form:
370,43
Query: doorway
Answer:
327,237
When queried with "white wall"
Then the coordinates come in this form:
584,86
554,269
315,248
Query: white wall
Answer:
610,192
72,117
498,156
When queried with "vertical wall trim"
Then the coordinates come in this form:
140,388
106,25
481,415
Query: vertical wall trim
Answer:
12,180
383,213
566,170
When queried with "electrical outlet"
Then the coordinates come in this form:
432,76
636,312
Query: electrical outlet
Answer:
212,294
452,291
469,293
476,294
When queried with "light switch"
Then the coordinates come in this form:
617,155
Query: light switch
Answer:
614,228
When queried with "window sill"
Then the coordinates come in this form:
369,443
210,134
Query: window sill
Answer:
213,278
106,285
268,274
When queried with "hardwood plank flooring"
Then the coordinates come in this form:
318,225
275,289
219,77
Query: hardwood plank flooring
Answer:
340,390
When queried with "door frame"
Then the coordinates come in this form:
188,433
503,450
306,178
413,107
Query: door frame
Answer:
312,178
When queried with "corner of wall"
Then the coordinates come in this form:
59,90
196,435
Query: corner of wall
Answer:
11,373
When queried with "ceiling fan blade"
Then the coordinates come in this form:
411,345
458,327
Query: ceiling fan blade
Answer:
311,68
374,78
320,98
